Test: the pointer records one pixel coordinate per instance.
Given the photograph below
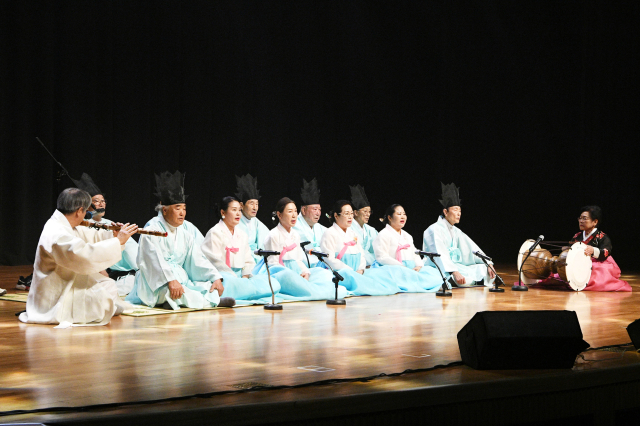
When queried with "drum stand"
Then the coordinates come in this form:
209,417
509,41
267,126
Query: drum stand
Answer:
497,281
443,290
273,306
336,280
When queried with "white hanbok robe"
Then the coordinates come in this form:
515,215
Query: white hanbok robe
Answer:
128,261
314,235
67,286
256,232
456,252
214,248
219,246
386,244
292,286
175,257
332,243
366,234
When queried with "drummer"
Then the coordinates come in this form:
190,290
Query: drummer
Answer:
605,273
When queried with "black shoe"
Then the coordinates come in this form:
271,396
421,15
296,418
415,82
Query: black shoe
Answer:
226,302
24,283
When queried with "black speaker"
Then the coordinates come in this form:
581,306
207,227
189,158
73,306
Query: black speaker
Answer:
511,340
634,332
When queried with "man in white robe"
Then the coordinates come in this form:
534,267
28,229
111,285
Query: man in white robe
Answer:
173,271
68,288
454,246
307,225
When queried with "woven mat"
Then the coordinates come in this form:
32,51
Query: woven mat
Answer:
139,311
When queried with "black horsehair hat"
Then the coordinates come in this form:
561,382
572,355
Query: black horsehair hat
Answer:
247,188
358,197
450,195
170,188
87,184
310,193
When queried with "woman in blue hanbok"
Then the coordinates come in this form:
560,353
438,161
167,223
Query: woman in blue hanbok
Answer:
227,247
394,248
362,212
347,256
297,281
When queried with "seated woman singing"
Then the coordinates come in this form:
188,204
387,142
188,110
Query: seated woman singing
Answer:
605,273
394,248
227,247
297,281
347,256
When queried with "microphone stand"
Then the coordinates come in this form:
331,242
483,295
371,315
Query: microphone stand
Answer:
336,280
273,306
443,290
305,252
497,281
521,286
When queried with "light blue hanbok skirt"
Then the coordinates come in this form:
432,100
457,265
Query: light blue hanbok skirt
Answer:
249,291
407,280
196,293
294,287
371,283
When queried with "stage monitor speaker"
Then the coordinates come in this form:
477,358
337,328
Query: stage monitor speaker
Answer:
511,340
634,332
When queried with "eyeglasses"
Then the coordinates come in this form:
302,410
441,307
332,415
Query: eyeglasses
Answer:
350,214
99,201
584,219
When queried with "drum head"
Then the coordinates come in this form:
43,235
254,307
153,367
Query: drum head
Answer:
578,267
521,254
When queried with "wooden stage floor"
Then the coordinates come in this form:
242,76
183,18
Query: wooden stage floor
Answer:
158,357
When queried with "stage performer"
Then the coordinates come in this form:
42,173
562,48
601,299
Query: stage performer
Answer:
362,212
605,273
249,196
67,287
454,246
307,225
227,246
97,211
394,249
346,256
297,281
173,271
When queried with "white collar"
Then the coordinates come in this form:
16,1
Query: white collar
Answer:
60,217
225,229
283,230
337,228
170,228
401,233
584,236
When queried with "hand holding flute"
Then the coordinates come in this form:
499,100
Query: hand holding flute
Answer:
117,227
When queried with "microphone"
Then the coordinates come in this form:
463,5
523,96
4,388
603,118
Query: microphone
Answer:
317,253
261,252
533,247
426,253
304,244
482,256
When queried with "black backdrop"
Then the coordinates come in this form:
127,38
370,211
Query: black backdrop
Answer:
531,107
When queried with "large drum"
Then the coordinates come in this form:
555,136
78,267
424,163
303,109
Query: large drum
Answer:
572,265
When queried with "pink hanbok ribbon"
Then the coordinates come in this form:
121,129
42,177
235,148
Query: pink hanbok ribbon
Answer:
229,251
344,249
399,249
284,251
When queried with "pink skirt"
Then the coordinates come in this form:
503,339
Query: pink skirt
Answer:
605,276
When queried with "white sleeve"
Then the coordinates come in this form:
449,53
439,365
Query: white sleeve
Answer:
596,253
381,250
330,245
84,258
211,249
249,263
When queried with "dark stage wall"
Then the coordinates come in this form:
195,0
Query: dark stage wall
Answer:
530,107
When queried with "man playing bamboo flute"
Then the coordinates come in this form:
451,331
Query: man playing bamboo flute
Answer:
67,287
